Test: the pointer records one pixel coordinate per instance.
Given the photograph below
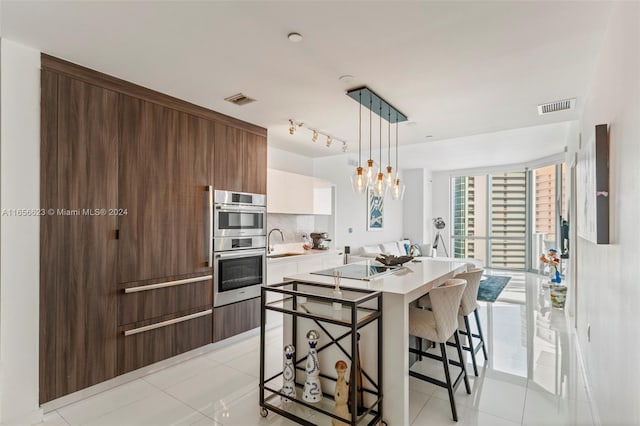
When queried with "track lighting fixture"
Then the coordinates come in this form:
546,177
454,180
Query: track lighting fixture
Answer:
293,125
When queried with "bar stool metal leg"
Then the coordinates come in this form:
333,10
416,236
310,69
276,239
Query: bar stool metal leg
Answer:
484,345
464,369
447,376
469,336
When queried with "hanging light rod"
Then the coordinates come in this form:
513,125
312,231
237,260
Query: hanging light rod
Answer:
371,100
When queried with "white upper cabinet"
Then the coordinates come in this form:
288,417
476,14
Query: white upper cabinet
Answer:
292,193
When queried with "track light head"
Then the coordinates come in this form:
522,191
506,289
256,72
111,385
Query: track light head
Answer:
314,138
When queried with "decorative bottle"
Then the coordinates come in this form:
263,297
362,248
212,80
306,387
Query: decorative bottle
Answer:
360,409
341,395
288,374
312,389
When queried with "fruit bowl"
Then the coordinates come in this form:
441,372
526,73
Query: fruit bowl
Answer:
391,260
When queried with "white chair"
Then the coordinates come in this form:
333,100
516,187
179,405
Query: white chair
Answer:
438,325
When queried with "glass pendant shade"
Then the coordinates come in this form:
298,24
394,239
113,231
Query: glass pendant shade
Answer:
397,192
358,181
388,179
371,173
380,187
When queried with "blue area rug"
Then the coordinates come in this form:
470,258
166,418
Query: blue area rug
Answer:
491,286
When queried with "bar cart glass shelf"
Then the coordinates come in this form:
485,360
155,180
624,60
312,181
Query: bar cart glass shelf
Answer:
313,303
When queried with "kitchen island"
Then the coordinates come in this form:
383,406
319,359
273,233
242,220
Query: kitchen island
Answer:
399,290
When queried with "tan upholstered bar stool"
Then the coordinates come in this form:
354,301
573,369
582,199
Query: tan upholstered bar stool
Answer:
438,325
469,305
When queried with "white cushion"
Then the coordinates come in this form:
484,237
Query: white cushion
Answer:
371,251
391,248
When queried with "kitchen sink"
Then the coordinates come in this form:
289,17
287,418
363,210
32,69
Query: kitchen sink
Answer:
277,256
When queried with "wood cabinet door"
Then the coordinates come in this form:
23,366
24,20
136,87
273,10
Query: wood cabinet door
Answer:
236,318
163,177
79,312
255,164
228,157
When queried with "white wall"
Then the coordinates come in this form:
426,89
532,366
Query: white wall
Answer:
607,275
352,208
417,206
441,200
20,236
288,161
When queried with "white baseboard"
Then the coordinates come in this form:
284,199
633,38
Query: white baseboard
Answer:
595,414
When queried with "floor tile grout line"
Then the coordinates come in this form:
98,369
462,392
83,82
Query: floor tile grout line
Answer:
115,409
62,417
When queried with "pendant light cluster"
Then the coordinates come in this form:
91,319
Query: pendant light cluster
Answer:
372,178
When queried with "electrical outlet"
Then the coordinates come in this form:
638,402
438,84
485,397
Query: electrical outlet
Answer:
350,230
589,333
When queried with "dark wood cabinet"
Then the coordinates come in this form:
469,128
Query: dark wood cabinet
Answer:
229,151
163,177
255,164
236,318
156,340
79,307
240,160
148,160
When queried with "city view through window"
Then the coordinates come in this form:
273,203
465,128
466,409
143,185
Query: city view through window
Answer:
508,219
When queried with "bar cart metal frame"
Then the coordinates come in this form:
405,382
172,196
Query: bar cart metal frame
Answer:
291,303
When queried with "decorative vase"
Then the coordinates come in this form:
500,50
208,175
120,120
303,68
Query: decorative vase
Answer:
341,395
312,389
288,374
360,409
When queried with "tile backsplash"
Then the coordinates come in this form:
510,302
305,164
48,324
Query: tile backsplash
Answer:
294,225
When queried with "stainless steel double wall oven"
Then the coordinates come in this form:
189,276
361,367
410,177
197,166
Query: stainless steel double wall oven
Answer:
239,246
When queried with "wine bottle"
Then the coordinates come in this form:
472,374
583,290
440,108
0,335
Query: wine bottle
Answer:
360,408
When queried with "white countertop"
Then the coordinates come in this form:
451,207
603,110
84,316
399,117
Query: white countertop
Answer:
302,255
413,281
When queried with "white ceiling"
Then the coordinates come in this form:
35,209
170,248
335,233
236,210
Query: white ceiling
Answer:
454,68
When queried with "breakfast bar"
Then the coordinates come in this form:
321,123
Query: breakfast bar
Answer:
399,289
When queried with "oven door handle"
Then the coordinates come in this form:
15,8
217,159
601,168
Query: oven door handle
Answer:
241,253
245,208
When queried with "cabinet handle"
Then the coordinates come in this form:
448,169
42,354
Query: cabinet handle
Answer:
166,323
167,284
210,253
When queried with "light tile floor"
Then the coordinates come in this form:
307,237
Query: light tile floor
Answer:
532,377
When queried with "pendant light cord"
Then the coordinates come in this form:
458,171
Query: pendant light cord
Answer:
360,130
370,130
380,137
389,138
396,144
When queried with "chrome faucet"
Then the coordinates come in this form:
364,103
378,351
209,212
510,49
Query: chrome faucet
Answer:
269,246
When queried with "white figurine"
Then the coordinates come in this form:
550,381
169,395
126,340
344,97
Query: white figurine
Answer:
312,390
288,374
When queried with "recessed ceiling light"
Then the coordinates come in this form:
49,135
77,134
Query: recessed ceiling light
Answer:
410,123
429,136
294,37
347,78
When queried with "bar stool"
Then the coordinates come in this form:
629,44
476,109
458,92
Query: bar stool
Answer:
469,305
439,325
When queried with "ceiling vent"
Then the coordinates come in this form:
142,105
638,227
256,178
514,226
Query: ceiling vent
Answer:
239,99
563,105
